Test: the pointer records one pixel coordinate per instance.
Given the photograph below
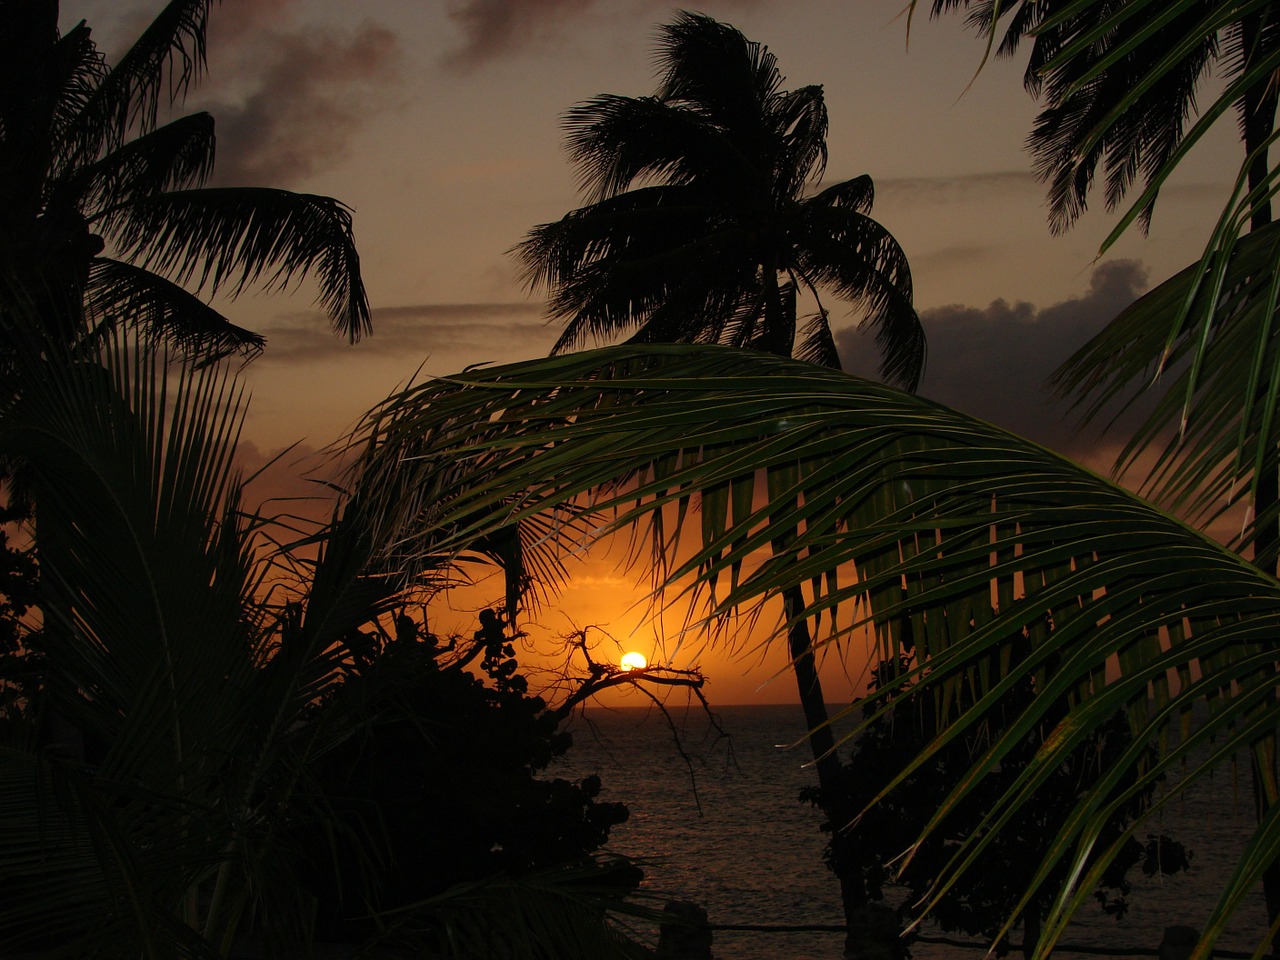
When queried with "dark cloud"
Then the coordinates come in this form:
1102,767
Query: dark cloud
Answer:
994,362
491,28
233,23
293,100
482,332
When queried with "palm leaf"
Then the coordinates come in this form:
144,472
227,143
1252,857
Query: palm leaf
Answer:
160,66
1215,420
228,238
122,296
174,156
944,521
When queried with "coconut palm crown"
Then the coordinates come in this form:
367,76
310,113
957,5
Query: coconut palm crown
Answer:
86,166
698,228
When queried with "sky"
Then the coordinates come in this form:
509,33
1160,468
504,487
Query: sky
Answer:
438,123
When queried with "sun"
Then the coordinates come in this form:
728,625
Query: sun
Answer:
634,661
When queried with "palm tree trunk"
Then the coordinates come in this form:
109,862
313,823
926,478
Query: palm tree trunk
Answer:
780,322
1258,109
831,799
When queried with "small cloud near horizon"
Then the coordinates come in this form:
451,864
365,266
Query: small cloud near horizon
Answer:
518,329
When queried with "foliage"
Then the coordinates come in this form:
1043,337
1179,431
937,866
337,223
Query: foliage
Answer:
698,228
706,222
907,516
440,770
18,586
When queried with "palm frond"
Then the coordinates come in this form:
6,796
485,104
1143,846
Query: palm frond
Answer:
943,520
617,142
172,157
1208,331
840,248
159,68
228,238
120,295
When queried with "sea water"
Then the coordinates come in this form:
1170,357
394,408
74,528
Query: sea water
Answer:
716,819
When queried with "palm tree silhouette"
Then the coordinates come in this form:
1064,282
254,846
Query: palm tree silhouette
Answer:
697,227
698,230
86,166
1094,75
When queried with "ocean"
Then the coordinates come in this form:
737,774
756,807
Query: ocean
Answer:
716,819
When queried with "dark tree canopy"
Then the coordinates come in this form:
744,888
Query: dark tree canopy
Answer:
437,783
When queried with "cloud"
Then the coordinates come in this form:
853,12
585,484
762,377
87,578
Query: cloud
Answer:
994,362
291,101
497,331
233,24
491,28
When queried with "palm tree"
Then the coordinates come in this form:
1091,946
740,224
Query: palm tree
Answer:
1012,567
698,229
86,167
1090,65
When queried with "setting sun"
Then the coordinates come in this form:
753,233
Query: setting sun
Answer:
633,661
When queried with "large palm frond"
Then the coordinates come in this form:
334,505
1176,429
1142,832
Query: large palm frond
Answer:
177,715
144,576
911,520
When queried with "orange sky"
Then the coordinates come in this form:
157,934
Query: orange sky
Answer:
437,122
